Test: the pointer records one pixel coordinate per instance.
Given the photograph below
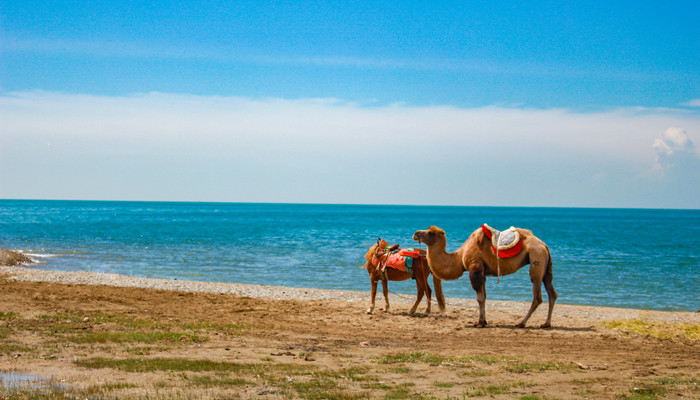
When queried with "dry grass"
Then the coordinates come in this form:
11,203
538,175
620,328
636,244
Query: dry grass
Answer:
656,329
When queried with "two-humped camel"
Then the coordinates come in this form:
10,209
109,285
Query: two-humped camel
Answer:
477,256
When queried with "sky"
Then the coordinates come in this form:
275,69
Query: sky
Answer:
562,104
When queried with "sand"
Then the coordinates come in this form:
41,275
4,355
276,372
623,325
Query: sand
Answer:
310,343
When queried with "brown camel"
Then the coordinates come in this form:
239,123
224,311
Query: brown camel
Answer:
376,266
476,255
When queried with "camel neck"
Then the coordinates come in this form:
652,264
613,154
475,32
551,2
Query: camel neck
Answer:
446,266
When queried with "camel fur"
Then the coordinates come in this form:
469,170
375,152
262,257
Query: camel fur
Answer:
377,255
477,257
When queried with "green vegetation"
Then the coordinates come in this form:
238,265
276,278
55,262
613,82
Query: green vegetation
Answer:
520,366
8,315
185,364
415,357
492,390
656,329
658,388
135,337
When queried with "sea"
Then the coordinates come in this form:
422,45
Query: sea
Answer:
629,258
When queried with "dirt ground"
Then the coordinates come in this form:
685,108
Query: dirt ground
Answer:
107,342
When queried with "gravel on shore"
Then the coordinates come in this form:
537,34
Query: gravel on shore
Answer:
582,313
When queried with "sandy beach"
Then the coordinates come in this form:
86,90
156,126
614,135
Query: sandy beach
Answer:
107,335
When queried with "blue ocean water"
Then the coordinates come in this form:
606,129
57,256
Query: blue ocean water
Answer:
632,258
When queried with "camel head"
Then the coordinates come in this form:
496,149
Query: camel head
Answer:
430,236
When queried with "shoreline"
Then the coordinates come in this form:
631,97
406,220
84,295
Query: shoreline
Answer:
577,312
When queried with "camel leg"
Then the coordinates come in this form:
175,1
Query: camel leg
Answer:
551,293
428,294
536,299
385,289
373,295
478,281
437,284
422,281
419,297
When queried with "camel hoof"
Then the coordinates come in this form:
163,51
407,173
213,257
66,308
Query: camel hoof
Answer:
480,324
546,325
520,325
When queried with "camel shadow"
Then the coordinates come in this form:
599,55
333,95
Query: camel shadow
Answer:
538,329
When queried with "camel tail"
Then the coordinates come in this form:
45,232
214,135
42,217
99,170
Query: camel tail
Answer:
548,274
437,284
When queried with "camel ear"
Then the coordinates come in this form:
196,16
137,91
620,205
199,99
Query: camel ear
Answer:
479,238
379,240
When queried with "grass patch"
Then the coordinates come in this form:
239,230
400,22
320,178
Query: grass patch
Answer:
8,315
4,333
34,394
490,360
190,365
414,357
209,381
488,390
355,374
522,367
658,388
135,337
492,390
317,388
656,329
230,329
159,364
680,383
10,348
642,393
398,393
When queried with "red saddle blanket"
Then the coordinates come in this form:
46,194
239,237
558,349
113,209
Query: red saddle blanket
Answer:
403,259
509,242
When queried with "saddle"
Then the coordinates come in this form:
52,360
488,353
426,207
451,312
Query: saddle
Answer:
508,242
402,259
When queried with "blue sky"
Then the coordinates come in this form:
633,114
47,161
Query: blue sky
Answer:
504,103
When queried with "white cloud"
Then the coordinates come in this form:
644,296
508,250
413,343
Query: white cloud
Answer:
186,147
673,147
693,103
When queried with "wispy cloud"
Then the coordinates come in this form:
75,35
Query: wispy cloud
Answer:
234,55
243,149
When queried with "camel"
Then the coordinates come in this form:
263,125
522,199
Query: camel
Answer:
377,257
476,255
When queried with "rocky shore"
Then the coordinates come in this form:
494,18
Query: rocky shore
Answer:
12,258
